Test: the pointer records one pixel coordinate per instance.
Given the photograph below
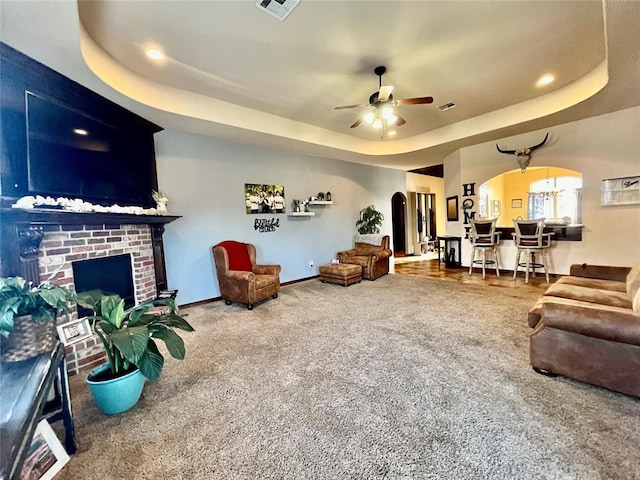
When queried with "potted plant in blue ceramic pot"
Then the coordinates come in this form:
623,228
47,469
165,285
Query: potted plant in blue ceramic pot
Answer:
129,339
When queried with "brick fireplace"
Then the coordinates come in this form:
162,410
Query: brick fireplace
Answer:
64,244
35,244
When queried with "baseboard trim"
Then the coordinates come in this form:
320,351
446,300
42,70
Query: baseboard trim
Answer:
217,299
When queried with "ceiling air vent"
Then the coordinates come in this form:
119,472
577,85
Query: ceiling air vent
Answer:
447,106
277,8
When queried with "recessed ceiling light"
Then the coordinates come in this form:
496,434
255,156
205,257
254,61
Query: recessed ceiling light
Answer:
545,80
80,131
155,54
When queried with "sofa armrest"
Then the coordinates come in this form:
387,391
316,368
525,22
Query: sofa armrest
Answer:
346,253
267,270
617,274
385,253
610,323
239,275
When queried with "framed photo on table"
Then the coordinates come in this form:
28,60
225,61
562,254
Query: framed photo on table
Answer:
74,331
46,456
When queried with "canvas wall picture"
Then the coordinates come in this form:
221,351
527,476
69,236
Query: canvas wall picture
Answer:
260,198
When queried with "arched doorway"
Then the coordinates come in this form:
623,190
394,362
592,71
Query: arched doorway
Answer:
398,221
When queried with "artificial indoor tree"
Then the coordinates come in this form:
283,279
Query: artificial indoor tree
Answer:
370,220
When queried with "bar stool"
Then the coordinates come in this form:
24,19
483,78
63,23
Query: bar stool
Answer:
530,239
484,239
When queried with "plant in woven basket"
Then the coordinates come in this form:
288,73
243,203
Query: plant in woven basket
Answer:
28,317
370,220
20,298
129,336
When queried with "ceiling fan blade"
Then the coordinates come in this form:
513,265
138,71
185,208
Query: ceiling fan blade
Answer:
356,123
414,101
399,120
385,91
351,106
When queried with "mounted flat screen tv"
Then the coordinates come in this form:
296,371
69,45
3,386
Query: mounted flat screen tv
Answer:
71,154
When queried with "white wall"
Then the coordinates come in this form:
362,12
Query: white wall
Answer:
204,180
601,147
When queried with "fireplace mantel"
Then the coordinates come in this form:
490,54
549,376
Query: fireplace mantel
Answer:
46,216
23,231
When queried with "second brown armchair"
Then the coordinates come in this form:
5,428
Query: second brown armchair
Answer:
240,279
371,252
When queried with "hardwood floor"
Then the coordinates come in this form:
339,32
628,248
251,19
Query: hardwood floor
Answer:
431,269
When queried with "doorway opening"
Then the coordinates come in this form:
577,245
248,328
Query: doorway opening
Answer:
399,224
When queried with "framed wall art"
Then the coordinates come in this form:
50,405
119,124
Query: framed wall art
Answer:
516,203
261,198
620,191
452,209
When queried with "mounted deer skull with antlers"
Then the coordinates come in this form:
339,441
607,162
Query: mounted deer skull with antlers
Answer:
523,156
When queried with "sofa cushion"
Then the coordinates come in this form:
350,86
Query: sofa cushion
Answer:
610,323
594,283
238,255
633,286
361,260
367,249
591,295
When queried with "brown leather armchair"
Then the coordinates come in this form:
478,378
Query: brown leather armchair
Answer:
240,279
371,252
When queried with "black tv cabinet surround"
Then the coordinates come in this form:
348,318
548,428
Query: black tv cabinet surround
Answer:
23,78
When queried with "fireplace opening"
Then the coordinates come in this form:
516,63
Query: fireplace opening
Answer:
112,275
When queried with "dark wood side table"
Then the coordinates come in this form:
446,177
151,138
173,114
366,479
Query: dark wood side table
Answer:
24,388
450,260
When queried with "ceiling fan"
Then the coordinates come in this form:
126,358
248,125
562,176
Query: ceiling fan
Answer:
382,102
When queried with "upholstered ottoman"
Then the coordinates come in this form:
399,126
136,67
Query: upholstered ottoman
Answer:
343,274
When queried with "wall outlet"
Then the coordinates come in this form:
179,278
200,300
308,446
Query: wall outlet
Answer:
310,263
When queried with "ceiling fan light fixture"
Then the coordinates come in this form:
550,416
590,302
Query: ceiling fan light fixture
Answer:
377,123
387,114
369,117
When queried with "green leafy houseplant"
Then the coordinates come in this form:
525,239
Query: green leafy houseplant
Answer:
19,298
370,220
129,336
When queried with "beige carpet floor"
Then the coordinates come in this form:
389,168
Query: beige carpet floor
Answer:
401,378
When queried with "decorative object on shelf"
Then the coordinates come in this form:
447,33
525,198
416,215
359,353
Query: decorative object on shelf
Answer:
265,225
370,220
523,155
621,191
320,197
452,209
128,337
306,205
161,202
327,197
516,203
30,202
261,198
28,317
296,206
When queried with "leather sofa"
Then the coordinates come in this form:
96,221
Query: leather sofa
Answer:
587,327
241,279
371,252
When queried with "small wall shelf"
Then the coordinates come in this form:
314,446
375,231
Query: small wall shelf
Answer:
301,214
321,202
